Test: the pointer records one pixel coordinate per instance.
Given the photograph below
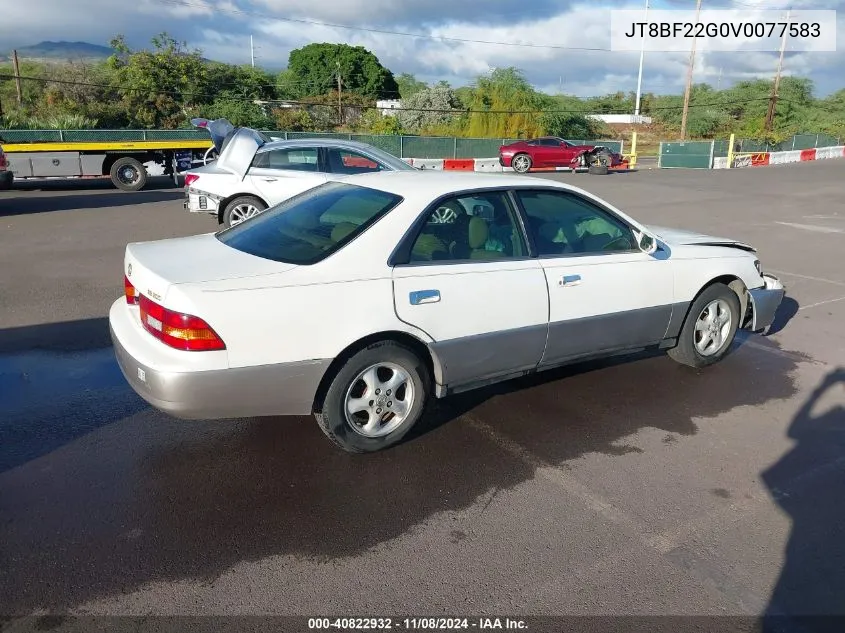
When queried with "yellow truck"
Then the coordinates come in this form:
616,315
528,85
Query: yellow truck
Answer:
127,163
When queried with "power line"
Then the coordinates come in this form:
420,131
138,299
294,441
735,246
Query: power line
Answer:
422,36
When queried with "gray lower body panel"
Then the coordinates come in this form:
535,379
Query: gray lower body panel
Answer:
242,392
607,332
477,358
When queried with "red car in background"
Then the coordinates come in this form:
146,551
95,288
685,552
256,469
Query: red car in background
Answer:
551,151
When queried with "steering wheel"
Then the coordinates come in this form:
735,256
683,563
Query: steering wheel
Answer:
613,241
443,215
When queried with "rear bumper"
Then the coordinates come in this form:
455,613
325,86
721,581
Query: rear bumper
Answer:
200,202
210,394
765,302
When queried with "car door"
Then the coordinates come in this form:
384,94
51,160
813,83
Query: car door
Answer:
605,293
282,173
465,277
546,153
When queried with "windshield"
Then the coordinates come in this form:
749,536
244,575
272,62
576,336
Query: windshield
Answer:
389,159
311,226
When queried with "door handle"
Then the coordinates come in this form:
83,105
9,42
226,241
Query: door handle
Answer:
570,280
424,296
270,179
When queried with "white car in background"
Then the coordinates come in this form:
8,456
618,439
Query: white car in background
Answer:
358,302
253,172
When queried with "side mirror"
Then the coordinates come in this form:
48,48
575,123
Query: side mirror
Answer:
647,243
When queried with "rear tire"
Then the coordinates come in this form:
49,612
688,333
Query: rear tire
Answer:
703,340
240,209
128,174
521,163
390,398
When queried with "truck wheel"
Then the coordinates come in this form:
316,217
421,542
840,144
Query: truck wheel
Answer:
128,174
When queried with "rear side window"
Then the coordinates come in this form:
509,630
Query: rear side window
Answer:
293,159
311,226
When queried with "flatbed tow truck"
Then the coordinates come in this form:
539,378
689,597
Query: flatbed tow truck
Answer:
126,163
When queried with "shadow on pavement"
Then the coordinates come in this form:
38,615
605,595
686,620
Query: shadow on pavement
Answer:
134,496
808,484
24,204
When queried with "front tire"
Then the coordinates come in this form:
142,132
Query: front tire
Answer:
709,328
128,174
240,209
375,398
521,163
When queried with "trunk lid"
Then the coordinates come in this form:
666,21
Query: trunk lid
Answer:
236,147
154,267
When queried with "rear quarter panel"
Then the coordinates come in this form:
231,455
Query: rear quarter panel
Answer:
279,319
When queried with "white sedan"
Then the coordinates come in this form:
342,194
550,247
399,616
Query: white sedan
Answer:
362,299
253,172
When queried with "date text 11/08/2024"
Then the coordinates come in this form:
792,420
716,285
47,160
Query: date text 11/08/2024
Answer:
418,624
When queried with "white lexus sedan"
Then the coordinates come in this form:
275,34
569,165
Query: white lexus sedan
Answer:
363,299
253,172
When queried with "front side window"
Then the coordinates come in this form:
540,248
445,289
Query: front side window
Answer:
480,226
562,223
311,226
295,159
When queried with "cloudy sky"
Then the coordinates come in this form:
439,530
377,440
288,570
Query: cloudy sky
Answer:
551,36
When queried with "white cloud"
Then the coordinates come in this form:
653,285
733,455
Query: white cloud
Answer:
222,28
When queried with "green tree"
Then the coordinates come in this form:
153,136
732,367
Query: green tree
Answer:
315,68
409,85
505,105
569,125
157,87
429,108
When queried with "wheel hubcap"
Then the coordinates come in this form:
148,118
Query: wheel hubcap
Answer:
521,163
379,400
242,212
128,175
712,327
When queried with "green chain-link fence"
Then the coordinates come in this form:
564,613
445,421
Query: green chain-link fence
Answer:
698,155
401,146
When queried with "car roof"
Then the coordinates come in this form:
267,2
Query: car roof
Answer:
316,142
438,183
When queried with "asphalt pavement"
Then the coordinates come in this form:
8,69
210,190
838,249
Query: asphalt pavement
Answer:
626,487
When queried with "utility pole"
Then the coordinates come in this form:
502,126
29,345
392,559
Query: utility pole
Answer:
770,115
339,93
689,78
17,70
252,51
640,75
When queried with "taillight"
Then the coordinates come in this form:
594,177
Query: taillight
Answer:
3,162
178,330
129,291
189,178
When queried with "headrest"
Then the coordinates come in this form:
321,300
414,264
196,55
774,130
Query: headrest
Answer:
342,230
478,232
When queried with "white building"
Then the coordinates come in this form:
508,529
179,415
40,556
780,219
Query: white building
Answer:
388,107
627,119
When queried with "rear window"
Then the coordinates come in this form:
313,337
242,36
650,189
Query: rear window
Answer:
311,226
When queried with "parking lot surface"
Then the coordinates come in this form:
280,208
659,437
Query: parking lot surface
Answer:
632,486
